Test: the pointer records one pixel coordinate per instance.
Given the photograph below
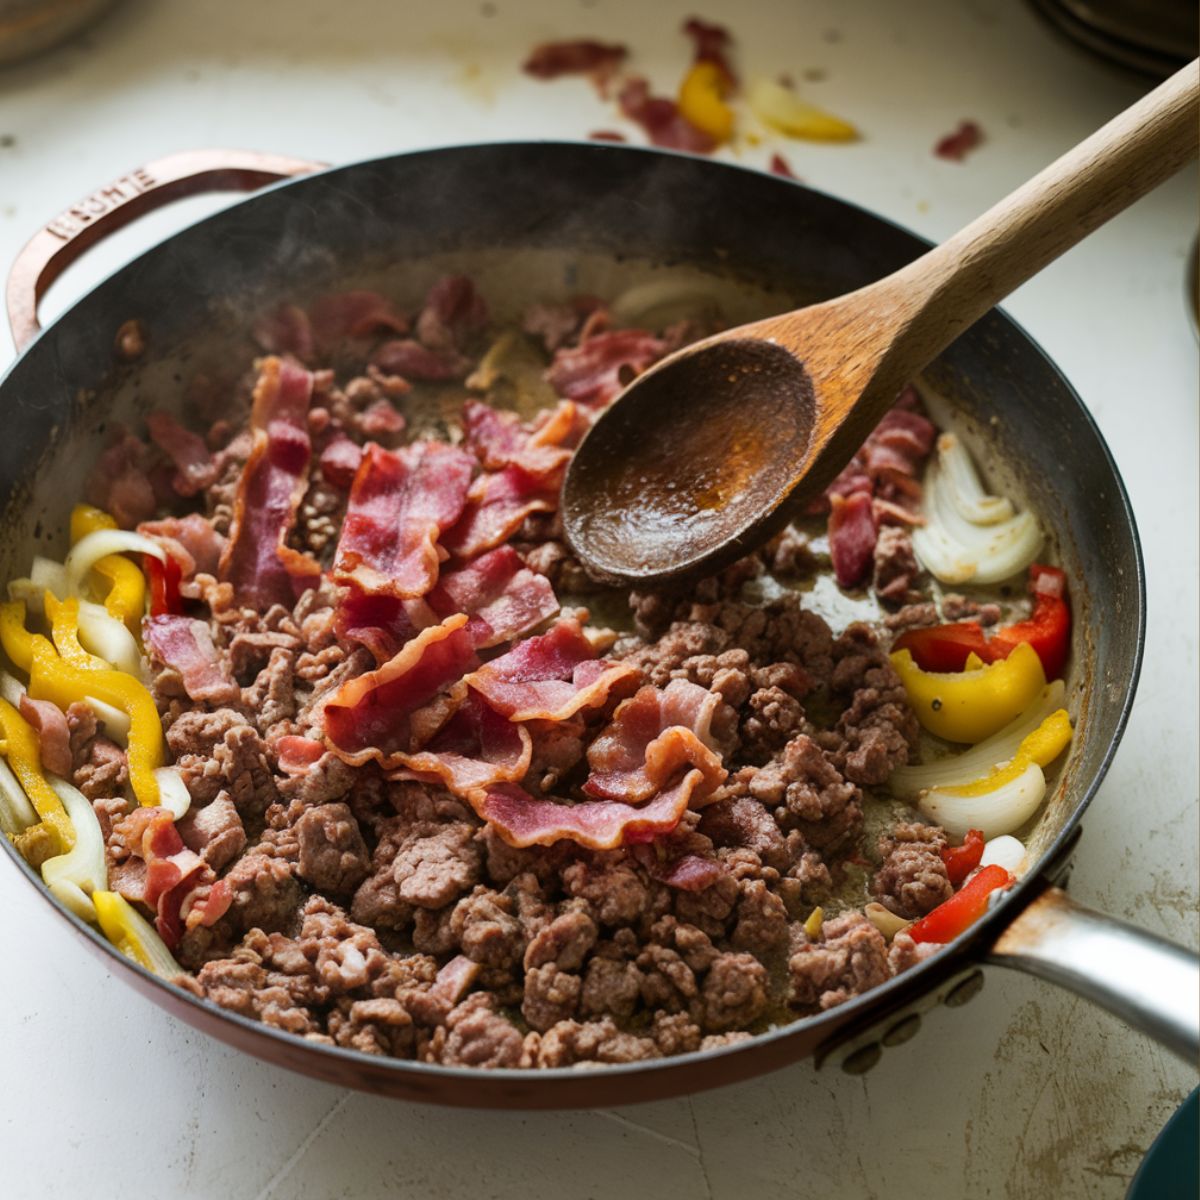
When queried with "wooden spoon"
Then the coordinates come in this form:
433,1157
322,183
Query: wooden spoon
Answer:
711,451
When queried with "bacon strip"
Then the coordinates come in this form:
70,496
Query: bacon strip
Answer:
191,541
354,314
380,622
852,535
496,505
257,561
371,716
400,503
476,748
186,645
592,373
194,465
651,736
502,596
550,678
54,734
521,820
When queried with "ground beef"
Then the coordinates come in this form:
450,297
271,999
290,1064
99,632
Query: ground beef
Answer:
912,878
383,915
848,958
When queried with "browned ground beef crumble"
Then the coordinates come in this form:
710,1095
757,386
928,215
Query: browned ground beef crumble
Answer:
351,892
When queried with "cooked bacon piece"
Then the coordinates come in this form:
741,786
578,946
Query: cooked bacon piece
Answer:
592,373
257,561
551,677
522,820
957,145
191,541
852,535
496,505
371,716
119,484
186,645
713,43
296,755
410,360
453,311
54,735
691,873
454,980
476,748
400,503
380,622
581,56
606,135
651,736
286,330
664,124
500,594
340,461
781,166
194,465
498,439
355,314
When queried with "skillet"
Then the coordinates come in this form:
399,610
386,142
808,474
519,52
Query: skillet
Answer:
534,221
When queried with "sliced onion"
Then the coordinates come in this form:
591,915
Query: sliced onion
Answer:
1004,851
11,689
49,575
954,544
992,813
74,876
172,791
975,763
16,813
659,302
99,544
116,722
104,636
884,919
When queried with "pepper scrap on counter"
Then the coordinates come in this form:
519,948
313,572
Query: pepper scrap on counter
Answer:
1047,630
702,100
970,705
963,909
24,757
126,596
960,861
53,678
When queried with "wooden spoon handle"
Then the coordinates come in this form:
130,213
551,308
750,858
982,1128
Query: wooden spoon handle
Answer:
952,286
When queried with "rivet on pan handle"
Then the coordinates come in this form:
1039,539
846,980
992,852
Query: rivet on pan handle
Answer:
61,241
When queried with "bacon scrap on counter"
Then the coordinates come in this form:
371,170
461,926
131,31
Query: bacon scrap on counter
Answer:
579,56
780,166
661,119
713,43
954,147
257,560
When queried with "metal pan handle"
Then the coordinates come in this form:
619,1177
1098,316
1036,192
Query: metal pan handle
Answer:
60,242
1150,983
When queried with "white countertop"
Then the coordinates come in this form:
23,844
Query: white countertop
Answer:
1025,1093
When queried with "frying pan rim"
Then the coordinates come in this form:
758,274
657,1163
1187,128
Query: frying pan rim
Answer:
910,981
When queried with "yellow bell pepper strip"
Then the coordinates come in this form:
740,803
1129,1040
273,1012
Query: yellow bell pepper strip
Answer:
73,877
133,935
63,618
1042,746
50,678
702,101
14,637
126,595
21,750
815,923
969,705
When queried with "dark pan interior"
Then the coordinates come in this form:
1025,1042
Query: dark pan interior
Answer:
539,221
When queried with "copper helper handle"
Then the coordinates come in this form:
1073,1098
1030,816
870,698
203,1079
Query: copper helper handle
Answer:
60,242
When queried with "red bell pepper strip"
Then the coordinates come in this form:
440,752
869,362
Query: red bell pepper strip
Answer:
165,578
962,860
1048,629
962,910
946,647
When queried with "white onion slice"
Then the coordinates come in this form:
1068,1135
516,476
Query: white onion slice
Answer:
659,302
172,791
884,919
11,689
975,763
107,638
966,490
116,722
74,876
953,544
49,575
993,813
1004,851
16,813
99,544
